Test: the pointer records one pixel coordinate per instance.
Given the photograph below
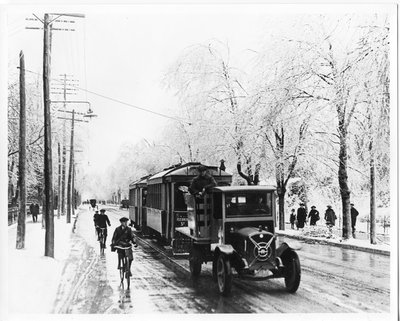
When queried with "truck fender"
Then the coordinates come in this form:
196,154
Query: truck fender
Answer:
231,255
225,248
291,245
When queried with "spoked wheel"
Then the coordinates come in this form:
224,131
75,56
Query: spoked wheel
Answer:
195,262
224,275
121,275
128,279
126,269
101,245
292,271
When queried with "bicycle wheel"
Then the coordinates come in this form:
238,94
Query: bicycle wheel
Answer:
122,272
128,278
101,241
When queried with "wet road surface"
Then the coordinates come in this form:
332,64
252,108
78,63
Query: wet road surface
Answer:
333,280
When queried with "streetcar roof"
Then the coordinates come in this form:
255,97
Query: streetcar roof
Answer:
245,188
142,180
189,169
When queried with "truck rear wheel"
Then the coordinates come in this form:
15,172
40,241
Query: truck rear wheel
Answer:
224,275
195,262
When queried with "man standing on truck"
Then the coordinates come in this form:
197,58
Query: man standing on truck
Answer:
202,182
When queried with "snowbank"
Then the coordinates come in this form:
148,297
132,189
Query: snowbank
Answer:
33,279
319,233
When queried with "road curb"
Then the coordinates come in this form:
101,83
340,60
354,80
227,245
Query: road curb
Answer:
342,245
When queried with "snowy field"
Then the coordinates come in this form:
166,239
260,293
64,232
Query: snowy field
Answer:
33,278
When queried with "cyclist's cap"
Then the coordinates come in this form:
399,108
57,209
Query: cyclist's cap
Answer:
313,206
123,219
202,168
102,210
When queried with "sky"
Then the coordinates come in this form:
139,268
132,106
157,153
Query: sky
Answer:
123,52
125,55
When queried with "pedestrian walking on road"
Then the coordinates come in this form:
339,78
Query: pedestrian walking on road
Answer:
330,218
292,218
313,216
34,209
37,210
301,216
31,210
354,214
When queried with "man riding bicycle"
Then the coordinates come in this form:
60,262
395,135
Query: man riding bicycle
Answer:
95,217
123,237
101,223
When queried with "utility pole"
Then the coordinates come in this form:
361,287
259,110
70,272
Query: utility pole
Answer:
71,164
48,164
64,152
59,183
63,173
22,156
71,171
48,204
73,196
65,87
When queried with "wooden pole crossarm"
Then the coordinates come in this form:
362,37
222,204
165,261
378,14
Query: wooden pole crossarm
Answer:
68,111
83,121
70,102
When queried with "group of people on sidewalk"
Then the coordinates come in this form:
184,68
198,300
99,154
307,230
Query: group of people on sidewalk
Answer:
300,219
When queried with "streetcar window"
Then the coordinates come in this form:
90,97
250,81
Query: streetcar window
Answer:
154,196
180,204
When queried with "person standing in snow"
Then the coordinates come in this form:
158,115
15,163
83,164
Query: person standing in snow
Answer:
313,216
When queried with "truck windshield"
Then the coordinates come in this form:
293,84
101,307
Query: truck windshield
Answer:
248,204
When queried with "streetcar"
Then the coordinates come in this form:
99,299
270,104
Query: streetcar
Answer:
157,205
137,203
233,227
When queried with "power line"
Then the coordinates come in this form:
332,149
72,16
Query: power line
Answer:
181,120
121,102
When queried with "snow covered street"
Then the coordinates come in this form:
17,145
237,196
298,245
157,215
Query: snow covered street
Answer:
80,280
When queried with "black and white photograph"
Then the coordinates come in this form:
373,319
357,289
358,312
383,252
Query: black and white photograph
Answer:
191,158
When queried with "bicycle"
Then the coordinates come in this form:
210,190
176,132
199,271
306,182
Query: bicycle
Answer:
124,266
102,239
